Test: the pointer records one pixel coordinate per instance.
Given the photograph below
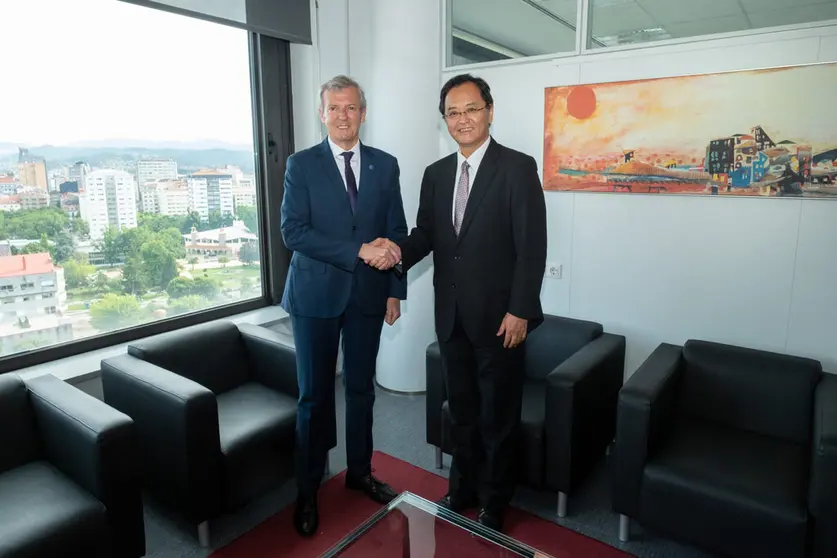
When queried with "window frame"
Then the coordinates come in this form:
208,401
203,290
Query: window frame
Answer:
271,110
584,40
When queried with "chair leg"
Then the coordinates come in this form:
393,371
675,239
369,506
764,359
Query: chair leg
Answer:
203,534
624,528
562,504
438,458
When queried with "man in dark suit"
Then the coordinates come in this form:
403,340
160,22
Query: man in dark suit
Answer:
339,196
482,214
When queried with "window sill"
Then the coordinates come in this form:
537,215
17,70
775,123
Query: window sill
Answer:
85,366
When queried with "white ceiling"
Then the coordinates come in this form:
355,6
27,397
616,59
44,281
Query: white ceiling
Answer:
517,26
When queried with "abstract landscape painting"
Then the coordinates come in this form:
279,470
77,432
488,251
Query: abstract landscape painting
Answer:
753,133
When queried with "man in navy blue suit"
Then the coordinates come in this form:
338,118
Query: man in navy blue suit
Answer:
339,196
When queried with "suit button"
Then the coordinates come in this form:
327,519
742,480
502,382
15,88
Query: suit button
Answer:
456,257
354,227
453,285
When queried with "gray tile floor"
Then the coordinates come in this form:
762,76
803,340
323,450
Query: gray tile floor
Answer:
399,431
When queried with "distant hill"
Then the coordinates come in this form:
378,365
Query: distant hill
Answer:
102,156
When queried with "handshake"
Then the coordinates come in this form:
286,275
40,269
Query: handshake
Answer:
381,254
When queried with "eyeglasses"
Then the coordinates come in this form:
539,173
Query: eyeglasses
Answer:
469,112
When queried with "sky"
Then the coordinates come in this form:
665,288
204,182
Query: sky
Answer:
683,114
91,70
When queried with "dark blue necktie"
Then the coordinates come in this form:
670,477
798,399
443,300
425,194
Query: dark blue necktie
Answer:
351,182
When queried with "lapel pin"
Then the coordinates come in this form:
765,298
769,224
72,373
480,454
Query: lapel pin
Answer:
371,167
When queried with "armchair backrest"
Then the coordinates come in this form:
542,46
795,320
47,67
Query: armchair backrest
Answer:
19,442
211,354
759,391
554,341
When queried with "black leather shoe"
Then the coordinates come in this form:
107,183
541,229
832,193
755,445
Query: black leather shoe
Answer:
306,516
456,503
490,519
378,491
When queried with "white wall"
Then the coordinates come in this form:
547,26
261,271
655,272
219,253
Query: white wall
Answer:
655,268
650,267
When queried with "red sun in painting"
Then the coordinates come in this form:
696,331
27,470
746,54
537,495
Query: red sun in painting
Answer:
581,102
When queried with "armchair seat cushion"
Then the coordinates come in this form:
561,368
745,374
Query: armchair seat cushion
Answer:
43,513
532,442
253,415
727,487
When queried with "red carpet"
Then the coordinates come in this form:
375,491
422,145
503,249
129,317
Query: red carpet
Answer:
342,510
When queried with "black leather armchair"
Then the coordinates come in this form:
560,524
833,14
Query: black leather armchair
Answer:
729,448
215,408
573,375
69,483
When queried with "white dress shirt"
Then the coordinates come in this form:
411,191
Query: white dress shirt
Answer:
473,165
341,161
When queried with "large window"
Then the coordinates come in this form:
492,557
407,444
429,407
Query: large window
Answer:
128,180
482,31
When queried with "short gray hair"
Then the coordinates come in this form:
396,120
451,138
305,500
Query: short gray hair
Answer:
338,83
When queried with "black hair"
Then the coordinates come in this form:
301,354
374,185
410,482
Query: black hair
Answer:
482,85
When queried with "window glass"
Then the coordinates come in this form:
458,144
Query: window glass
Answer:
127,170
503,29
625,22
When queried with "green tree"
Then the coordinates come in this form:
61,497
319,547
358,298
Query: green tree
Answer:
101,282
79,227
186,304
193,219
158,263
62,247
216,220
115,311
223,260
180,287
247,214
173,241
76,274
249,253
193,262
111,246
159,223
134,279
206,287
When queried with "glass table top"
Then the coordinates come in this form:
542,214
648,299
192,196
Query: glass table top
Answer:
411,526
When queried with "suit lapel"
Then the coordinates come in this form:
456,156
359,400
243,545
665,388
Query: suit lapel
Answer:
448,179
482,182
336,185
368,181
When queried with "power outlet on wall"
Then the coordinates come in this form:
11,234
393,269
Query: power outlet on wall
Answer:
554,270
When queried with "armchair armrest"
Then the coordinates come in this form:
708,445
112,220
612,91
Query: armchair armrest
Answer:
177,427
646,402
822,491
436,394
273,358
580,420
94,445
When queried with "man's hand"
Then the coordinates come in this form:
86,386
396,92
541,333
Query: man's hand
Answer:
379,255
514,329
393,310
388,259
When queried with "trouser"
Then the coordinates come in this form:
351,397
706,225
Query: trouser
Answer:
485,394
316,341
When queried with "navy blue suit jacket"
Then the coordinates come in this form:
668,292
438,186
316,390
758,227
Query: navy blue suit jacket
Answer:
319,227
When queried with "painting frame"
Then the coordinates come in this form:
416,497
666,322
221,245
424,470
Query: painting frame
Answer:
593,134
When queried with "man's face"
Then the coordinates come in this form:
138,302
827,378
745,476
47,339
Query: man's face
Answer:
467,115
342,115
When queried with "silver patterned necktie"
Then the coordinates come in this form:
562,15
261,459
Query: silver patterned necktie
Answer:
461,198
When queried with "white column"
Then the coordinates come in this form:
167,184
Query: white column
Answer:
399,64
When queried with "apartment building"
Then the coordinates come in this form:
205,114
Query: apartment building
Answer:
108,200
